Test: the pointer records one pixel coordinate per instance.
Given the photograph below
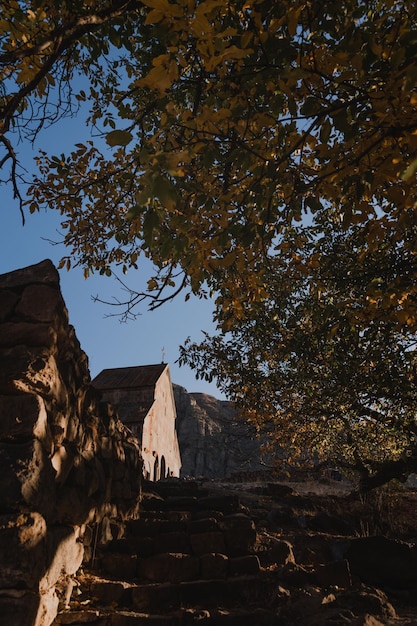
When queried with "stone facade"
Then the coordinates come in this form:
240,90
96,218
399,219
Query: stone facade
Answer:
70,472
144,399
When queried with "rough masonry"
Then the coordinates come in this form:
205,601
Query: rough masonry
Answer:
70,472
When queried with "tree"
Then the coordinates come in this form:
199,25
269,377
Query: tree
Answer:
224,122
325,388
219,128
43,47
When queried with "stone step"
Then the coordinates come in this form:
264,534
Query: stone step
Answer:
160,597
177,566
114,618
244,591
185,617
174,487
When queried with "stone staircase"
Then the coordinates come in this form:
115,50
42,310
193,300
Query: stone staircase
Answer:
211,555
190,559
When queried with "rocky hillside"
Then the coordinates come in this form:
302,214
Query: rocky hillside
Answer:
214,443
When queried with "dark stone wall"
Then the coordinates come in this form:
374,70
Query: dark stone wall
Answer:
70,472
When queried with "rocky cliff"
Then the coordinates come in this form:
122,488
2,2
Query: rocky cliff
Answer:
214,441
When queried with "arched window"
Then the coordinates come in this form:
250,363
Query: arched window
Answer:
163,468
156,469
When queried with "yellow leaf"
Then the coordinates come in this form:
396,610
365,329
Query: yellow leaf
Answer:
154,17
246,39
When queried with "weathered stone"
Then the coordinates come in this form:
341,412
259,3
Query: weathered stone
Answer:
58,450
142,546
239,533
214,566
42,273
173,542
64,554
16,333
225,593
156,597
22,550
21,416
331,524
203,525
26,476
14,362
335,574
84,616
108,592
7,303
226,504
368,620
203,543
120,566
243,565
278,552
124,618
366,601
181,503
40,303
21,610
171,567
278,490
383,562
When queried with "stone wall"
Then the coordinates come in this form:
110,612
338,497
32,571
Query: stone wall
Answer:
70,472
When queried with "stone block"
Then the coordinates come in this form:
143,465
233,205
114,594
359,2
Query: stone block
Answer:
29,334
278,490
19,415
335,574
26,477
203,543
239,534
214,566
7,303
19,609
23,552
244,565
181,503
109,592
383,562
150,527
14,362
173,542
43,272
127,618
171,567
40,303
120,566
278,552
161,597
65,554
75,618
225,593
225,504
208,524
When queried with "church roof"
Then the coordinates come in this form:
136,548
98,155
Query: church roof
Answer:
129,377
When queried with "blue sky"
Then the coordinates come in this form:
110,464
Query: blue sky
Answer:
106,341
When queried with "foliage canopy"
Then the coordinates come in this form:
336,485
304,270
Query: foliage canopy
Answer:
325,387
220,130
